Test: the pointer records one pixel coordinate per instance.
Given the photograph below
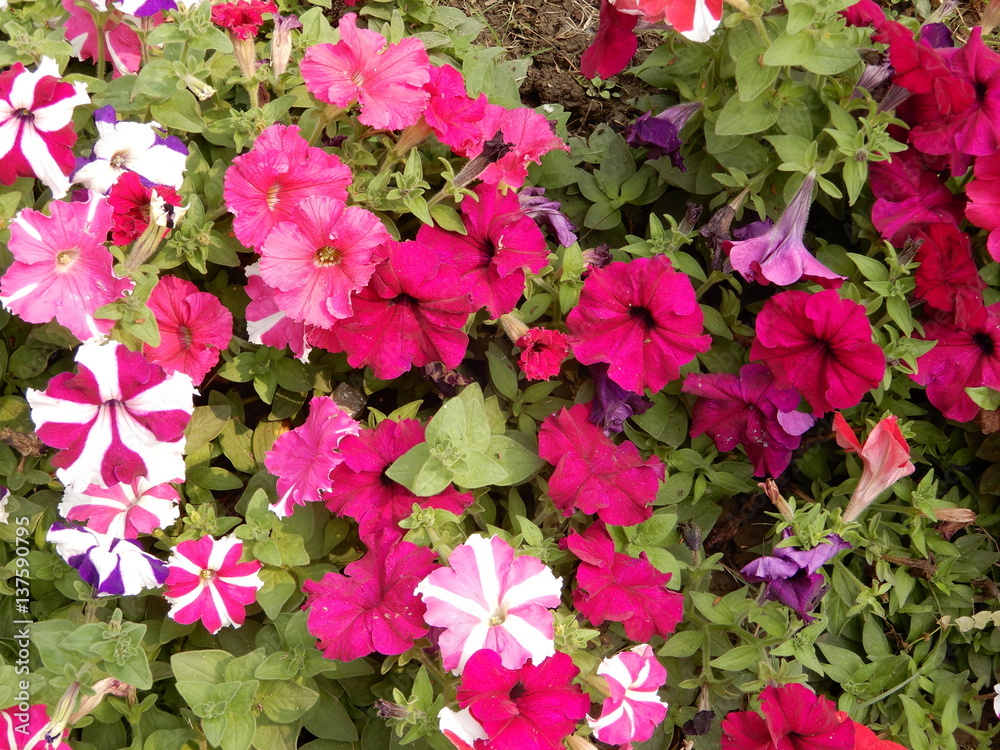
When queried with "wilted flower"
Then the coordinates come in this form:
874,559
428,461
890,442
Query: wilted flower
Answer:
612,404
660,134
542,353
535,205
886,459
113,566
281,41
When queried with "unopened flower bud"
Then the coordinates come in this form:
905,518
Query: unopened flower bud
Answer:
281,41
513,327
493,151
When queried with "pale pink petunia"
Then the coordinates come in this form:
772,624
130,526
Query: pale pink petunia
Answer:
530,135
633,710
62,270
118,418
208,583
319,259
123,510
303,458
264,185
267,323
194,327
490,598
885,455
387,80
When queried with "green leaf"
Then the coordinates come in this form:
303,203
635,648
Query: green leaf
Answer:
790,50
738,659
518,461
752,76
745,118
420,472
984,398
478,470
285,701
502,373
180,111
870,268
200,666
682,645
205,425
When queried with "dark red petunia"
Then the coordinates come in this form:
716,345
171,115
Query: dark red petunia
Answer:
947,280
795,718
129,199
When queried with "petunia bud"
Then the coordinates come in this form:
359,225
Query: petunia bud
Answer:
281,41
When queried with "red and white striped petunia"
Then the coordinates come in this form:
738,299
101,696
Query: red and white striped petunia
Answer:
207,582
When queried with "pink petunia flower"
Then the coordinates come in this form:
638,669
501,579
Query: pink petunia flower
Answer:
62,270
319,259
360,489
794,717
778,256
640,317
530,135
749,410
303,458
451,113
615,587
373,608
614,44
268,323
983,192
966,355
36,119
488,598
532,707
885,455
411,313
264,185
242,19
542,353
26,729
122,45
633,710
207,582
821,345
123,510
387,80
593,474
118,418
500,242
194,327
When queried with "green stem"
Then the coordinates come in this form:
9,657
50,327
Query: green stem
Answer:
100,19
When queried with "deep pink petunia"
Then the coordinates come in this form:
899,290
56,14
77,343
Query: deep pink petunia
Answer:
795,718
24,727
642,318
451,114
360,489
983,192
866,739
500,242
885,455
947,280
963,357
36,124
316,261
129,199
123,510
118,418
122,45
542,353
411,313
303,458
268,323
593,474
194,327
62,270
372,607
613,45
264,185
387,80
529,133
863,13
208,583
749,410
634,709
616,587
490,598
242,18
821,345
533,707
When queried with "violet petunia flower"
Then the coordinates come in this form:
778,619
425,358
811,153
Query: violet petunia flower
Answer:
791,575
778,256
115,567
535,206
661,133
612,404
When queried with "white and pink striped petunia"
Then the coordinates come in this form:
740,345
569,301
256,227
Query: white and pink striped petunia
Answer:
490,598
207,582
123,510
633,710
118,418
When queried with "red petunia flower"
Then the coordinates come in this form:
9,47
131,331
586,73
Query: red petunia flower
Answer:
129,200
593,474
542,353
947,280
531,708
615,587
242,19
794,718
821,345
984,200
613,45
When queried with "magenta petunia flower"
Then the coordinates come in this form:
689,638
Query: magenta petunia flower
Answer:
26,729
634,709
641,318
270,325
131,202
749,410
593,474
208,583
794,717
531,136
542,353
778,256
616,587
123,510
264,185
303,458
451,114
373,608
319,259
387,80
411,313
821,345
194,327
62,269
885,455
490,598
118,418
532,707
36,120
360,489
983,192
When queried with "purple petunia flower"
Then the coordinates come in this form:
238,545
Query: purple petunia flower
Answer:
612,404
791,574
661,133
115,567
535,205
